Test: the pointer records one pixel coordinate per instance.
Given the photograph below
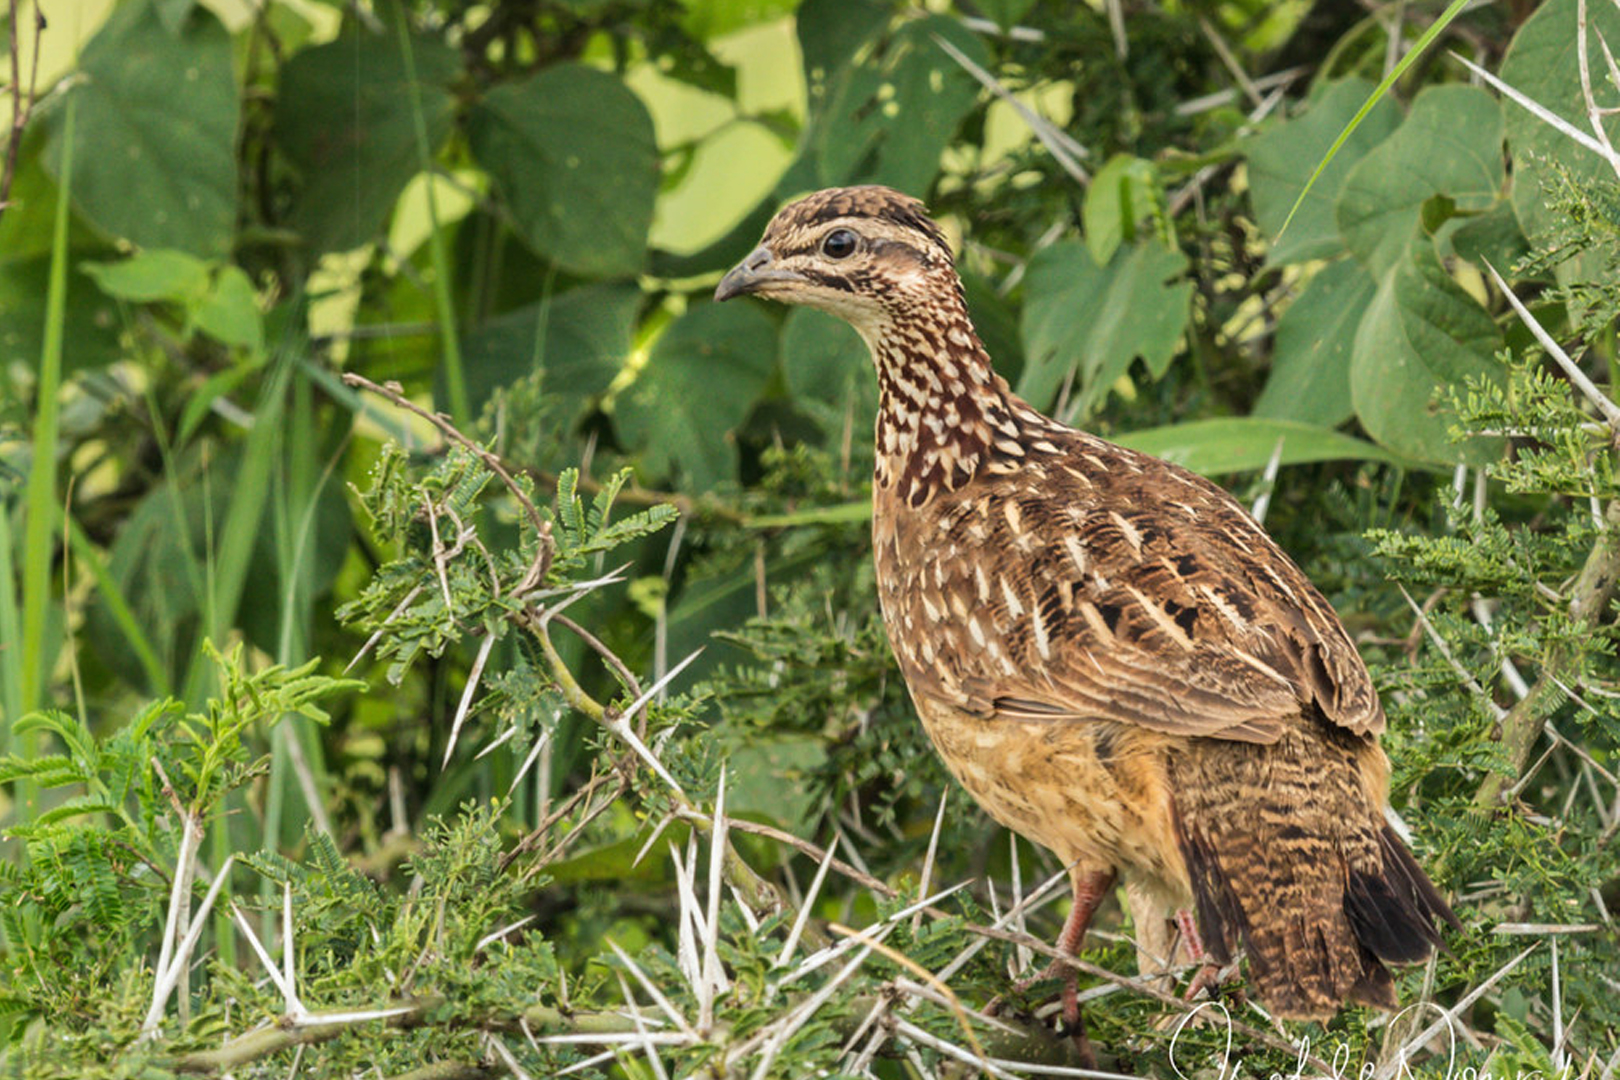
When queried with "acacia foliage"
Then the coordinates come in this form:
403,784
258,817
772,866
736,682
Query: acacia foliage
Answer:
247,218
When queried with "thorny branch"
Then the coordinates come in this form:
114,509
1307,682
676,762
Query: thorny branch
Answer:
1590,594
758,893
1589,599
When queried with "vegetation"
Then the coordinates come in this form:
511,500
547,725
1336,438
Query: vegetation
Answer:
435,640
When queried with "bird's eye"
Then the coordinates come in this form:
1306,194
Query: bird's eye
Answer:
839,244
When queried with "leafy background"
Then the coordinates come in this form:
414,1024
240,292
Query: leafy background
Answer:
517,213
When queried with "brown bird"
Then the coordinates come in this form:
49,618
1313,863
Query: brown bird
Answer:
1106,650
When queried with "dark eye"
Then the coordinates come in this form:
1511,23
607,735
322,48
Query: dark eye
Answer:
839,244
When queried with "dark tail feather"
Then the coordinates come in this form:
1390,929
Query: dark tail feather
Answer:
1303,965
1396,913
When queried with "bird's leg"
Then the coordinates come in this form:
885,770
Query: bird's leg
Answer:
1090,888
1207,977
1089,891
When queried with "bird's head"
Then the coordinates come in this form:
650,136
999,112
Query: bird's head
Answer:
869,255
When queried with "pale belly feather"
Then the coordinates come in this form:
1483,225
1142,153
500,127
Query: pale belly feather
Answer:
1048,783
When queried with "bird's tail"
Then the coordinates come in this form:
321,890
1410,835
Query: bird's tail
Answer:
1287,858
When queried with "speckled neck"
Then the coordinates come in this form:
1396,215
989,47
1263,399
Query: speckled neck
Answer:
941,407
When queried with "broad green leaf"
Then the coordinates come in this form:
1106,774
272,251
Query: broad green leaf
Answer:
154,154
345,118
218,300
1396,71
581,347
573,154
1542,64
770,776
709,19
1421,338
1310,361
230,311
825,361
831,33
148,276
1282,158
1450,144
1238,443
1494,237
28,221
1094,320
90,328
888,118
701,381
1123,193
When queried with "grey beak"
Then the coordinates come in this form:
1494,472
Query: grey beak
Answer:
751,274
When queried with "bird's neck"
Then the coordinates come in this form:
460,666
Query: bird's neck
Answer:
941,408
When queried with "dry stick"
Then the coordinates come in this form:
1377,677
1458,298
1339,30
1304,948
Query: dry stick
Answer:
1593,113
20,109
607,654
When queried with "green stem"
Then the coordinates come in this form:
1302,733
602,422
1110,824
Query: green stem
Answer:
460,410
38,534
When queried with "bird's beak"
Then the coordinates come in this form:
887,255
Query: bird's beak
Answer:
753,274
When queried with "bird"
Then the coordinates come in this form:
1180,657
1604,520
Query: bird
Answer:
1107,651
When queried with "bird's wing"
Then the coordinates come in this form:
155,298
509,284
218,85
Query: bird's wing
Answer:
1177,614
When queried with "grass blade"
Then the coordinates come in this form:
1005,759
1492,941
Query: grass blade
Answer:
1446,17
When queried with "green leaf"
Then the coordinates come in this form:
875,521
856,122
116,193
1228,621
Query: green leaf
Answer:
700,383
831,33
1450,145
1310,363
155,136
572,151
1494,237
1421,338
1542,64
1122,193
149,276
1395,72
1235,444
1095,320
1282,158
90,326
825,361
888,118
229,313
343,117
581,347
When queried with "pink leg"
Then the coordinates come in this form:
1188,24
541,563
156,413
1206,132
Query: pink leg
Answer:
1090,889
1089,892
1206,978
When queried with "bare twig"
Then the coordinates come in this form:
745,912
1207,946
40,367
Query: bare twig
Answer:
22,101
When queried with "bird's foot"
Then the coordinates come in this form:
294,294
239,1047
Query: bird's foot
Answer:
1208,976
1071,1024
